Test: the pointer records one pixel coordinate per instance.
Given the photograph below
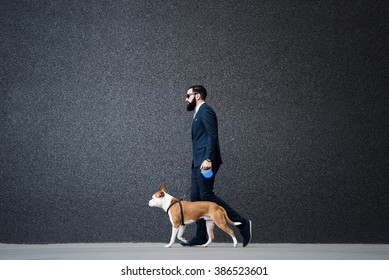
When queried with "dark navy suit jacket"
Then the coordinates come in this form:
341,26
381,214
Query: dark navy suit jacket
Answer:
205,138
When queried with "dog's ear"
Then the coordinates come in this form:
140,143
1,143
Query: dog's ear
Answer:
163,189
161,194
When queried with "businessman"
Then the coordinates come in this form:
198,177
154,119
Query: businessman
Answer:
206,155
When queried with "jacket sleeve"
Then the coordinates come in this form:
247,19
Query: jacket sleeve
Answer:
210,124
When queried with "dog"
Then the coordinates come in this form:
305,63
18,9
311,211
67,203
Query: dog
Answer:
184,212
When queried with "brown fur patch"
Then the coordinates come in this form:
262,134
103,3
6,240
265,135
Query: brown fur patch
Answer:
160,194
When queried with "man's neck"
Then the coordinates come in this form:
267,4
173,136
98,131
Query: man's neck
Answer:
199,104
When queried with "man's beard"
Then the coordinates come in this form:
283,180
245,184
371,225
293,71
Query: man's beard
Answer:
191,106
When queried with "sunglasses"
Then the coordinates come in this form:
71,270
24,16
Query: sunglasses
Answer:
188,95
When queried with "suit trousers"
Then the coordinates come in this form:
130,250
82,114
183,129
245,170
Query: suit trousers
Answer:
202,190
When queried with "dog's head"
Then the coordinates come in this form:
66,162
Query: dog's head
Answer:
158,197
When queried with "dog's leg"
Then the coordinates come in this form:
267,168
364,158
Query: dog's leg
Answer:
220,221
181,231
210,226
226,229
223,226
210,233
173,238
235,241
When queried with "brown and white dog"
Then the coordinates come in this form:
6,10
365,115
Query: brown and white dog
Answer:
191,212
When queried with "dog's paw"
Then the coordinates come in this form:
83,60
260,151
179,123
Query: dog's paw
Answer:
168,245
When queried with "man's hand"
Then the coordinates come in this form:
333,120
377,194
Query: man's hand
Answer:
206,165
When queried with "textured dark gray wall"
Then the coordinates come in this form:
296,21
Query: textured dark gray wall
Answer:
93,117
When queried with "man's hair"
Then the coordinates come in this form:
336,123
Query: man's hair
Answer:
199,89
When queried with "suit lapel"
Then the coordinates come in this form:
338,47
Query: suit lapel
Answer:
196,118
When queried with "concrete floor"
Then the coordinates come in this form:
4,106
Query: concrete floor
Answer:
216,251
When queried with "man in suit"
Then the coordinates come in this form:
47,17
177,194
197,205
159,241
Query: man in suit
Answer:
206,155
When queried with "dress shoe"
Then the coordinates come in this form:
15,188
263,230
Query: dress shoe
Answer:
246,232
195,241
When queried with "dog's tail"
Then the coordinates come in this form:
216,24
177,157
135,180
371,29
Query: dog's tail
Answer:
228,219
